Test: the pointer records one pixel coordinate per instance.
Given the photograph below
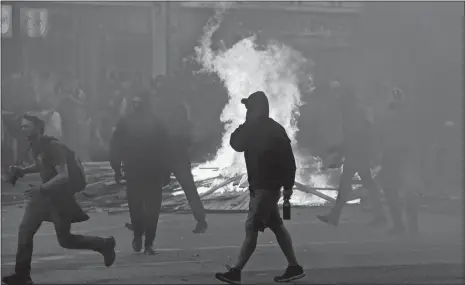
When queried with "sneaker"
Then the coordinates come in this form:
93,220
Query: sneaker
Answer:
292,273
149,250
129,227
16,279
109,254
200,228
328,219
232,276
137,243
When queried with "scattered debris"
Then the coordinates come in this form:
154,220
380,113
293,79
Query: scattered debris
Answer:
218,193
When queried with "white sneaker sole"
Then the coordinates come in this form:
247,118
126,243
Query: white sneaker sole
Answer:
291,279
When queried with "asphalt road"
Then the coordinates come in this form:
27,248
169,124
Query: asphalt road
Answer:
352,253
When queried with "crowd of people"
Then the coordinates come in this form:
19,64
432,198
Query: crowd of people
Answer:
84,121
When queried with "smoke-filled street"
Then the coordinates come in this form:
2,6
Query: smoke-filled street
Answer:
236,142
352,253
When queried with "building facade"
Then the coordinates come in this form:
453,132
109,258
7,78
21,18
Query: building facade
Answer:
88,40
320,30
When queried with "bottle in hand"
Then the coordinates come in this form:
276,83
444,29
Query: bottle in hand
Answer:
286,209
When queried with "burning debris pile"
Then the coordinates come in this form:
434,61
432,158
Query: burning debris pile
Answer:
245,68
218,193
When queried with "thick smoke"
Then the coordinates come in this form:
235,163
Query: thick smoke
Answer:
245,68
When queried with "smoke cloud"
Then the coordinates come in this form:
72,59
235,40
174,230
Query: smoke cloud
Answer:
245,68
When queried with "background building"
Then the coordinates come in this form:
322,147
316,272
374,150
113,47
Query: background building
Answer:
88,40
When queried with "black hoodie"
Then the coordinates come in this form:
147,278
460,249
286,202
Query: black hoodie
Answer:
267,148
141,144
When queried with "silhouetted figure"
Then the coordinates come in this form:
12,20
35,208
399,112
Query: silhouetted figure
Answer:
52,201
270,166
400,174
139,146
357,150
175,117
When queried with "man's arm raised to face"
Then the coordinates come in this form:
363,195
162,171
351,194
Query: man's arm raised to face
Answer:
239,138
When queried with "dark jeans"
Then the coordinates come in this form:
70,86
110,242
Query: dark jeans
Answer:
183,172
36,212
144,200
360,165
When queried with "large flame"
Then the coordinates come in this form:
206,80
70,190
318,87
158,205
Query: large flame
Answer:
245,68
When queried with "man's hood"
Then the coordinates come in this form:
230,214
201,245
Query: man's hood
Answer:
257,101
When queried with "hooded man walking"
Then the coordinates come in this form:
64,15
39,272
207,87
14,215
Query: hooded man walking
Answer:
270,166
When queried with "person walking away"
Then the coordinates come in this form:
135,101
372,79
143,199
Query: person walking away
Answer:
400,162
52,201
357,150
175,117
139,144
270,166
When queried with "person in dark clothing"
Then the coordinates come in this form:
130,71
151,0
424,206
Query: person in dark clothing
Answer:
175,117
139,145
270,166
400,162
52,201
357,150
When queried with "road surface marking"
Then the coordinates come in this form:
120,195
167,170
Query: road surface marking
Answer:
90,252
303,244
56,257
62,257
206,248
148,264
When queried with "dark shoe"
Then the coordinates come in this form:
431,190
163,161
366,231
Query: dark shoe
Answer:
378,221
328,219
16,279
200,228
149,250
232,276
109,254
129,226
292,273
137,243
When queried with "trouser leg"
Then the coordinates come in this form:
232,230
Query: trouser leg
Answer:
152,204
136,207
411,186
183,172
30,223
70,241
391,186
373,190
394,203
345,187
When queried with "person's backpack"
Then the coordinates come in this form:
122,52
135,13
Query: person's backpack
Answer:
77,177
